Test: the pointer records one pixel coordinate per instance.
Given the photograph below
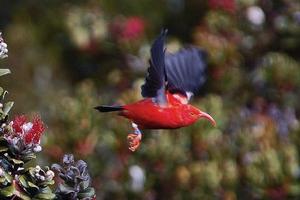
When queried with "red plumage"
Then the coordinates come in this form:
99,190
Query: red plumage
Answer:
176,114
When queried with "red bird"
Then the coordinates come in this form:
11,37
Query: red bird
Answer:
172,79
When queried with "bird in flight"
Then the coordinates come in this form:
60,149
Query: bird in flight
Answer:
171,81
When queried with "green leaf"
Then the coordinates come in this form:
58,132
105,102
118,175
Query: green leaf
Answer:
31,171
2,179
29,157
87,193
65,189
17,161
5,164
7,191
84,184
44,196
4,93
23,181
21,195
3,149
8,177
45,190
7,107
51,182
3,144
4,72
32,185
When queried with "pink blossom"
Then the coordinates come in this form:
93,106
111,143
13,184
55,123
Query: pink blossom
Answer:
130,28
133,28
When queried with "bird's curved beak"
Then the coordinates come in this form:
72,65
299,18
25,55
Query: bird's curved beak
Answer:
208,117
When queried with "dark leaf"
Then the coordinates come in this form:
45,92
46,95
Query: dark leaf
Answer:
57,168
68,159
45,196
90,192
65,189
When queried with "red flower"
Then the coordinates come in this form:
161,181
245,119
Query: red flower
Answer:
226,5
30,131
18,123
131,28
34,134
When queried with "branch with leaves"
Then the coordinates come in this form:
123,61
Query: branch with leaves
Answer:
19,142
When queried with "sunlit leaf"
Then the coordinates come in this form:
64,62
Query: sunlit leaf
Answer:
7,107
17,161
3,149
32,185
7,191
23,181
4,72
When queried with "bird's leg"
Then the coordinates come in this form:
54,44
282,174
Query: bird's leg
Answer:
134,139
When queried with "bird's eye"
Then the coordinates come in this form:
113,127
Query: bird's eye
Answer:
192,113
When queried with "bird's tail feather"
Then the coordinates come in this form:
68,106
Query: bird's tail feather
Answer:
103,108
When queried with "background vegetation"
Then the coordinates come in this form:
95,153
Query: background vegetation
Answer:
67,57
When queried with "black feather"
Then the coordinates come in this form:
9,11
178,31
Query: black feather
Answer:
185,70
155,80
108,108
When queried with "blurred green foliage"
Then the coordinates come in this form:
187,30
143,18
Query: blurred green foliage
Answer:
68,57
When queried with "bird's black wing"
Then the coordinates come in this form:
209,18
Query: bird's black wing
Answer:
186,71
154,85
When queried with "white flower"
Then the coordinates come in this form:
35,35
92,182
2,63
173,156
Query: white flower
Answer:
255,15
37,169
137,178
49,175
37,148
3,48
42,178
26,127
1,172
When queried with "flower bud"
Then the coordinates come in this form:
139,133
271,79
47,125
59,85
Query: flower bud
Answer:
37,148
49,175
3,48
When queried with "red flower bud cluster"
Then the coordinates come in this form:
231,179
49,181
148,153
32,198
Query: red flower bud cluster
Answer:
30,131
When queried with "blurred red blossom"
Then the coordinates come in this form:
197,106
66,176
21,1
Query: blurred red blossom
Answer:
30,131
130,28
133,28
226,5
86,146
276,193
54,151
